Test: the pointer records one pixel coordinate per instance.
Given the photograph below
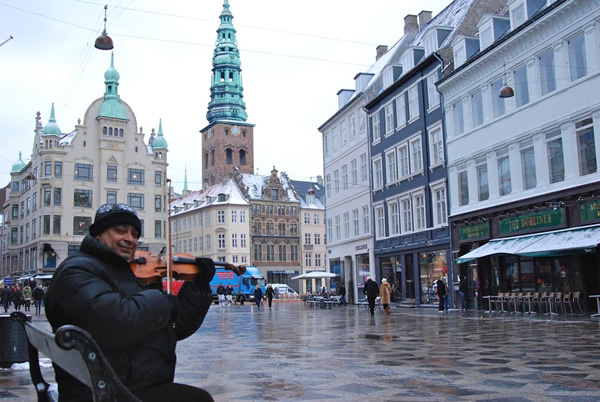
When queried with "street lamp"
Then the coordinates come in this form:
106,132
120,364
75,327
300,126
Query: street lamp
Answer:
104,42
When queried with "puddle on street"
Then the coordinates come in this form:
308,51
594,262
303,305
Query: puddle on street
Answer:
387,338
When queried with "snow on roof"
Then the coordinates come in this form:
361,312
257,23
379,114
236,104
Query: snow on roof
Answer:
256,184
202,198
67,139
450,17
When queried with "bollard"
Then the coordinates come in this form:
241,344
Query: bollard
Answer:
13,348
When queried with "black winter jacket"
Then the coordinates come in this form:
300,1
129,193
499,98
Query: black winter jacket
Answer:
371,289
97,290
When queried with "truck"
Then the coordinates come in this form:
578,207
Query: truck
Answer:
243,285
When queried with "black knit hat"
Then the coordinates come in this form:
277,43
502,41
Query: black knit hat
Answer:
114,214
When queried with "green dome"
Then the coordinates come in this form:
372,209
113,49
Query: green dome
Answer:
160,142
51,128
18,165
111,74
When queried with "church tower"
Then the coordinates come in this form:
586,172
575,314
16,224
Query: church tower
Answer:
227,140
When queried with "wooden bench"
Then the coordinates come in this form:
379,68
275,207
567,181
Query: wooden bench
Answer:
365,302
75,351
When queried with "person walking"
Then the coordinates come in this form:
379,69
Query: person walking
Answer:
137,326
342,293
6,296
463,288
27,295
441,291
258,296
385,292
221,294
17,297
270,293
229,295
38,296
371,290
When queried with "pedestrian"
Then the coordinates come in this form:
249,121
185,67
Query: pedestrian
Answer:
229,295
137,326
257,296
27,294
6,296
38,296
17,297
385,292
371,290
441,291
270,293
342,293
221,294
463,288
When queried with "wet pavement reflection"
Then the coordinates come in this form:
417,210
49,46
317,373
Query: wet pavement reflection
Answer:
297,353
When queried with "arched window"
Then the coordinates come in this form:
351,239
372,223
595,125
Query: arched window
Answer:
206,160
242,157
229,156
120,132
110,131
104,130
212,157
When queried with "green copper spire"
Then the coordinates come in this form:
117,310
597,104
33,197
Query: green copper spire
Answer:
159,141
185,187
112,106
227,75
18,165
51,128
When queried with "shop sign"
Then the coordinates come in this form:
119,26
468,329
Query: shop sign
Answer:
361,247
474,232
532,222
8,281
590,211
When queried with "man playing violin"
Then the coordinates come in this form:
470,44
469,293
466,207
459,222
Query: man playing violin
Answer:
135,326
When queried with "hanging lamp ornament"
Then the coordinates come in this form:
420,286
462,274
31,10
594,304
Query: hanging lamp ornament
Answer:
506,91
104,42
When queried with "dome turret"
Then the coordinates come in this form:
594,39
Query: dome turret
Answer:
51,128
160,142
18,165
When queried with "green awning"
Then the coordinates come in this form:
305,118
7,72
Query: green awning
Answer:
548,244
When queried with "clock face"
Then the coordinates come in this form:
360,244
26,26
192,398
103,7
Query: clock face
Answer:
235,130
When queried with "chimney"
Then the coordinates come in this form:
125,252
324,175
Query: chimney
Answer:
411,24
320,180
381,50
424,18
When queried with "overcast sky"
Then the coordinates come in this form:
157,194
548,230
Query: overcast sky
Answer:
296,56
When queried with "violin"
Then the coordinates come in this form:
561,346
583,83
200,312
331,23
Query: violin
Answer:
151,268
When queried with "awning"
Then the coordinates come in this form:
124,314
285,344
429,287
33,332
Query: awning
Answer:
315,275
23,278
43,276
549,244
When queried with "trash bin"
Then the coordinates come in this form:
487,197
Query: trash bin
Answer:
13,348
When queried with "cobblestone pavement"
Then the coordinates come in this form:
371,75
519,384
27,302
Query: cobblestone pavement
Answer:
345,354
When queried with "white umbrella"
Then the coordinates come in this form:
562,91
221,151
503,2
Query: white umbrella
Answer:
316,275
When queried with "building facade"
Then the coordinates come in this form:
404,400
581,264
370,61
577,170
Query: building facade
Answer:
53,198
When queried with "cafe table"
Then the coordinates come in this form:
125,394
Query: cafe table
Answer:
597,305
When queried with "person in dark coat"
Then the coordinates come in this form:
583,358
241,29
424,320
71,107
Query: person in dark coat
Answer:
258,295
463,288
270,293
372,291
137,326
221,294
17,297
6,296
229,295
38,297
441,291
342,292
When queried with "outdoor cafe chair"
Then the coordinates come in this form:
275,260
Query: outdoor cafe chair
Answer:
575,299
557,301
566,301
535,298
541,300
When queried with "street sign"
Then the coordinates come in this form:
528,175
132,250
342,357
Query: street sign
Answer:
8,281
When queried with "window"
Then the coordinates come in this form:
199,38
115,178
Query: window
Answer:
281,228
258,252
586,146
353,172
242,216
84,172
416,154
82,198
221,216
157,203
15,211
317,238
34,201
81,224
440,212
356,223
157,178
364,171
207,242
56,224
316,219
346,225
47,196
111,197
389,118
556,162
504,183
403,160
336,181
352,126
547,73
307,238
379,222
459,119
135,176
436,146
221,241
307,217
343,132
419,203
330,230
57,196
328,186
46,225
158,229
136,200
362,122
394,216
517,15
48,169
317,260
326,144
521,86
229,156
365,219
407,217
233,216
477,107
528,165
497,101
282,252
391,167
483,189
57,169
345,177
433,96
413,102
400,111
243,240
338,232
111,173
463,188
376,127
377,174
577,57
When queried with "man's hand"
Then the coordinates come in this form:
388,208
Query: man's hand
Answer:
206,271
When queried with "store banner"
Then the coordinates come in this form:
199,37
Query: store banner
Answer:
533,222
